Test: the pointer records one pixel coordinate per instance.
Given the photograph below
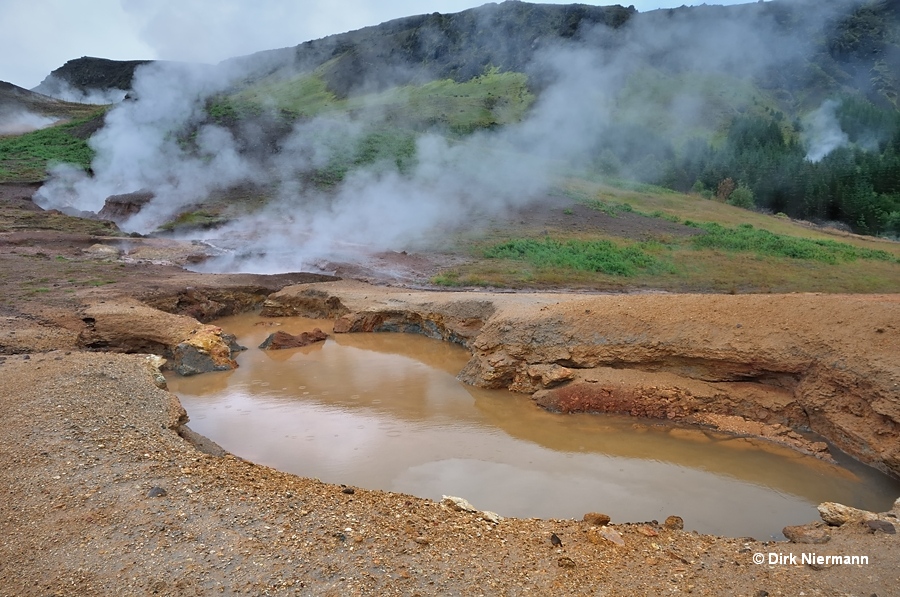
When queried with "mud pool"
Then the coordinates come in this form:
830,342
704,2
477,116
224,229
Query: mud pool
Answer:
385,411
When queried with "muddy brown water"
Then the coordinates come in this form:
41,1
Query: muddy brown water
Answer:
385,411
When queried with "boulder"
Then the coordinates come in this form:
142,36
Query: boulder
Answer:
812,534
838,514
188,359
280,340
119,208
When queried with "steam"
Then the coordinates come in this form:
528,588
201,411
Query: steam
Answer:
450,185
822,132
62,90
138,148
18,121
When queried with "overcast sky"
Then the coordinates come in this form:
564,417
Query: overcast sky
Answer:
41,35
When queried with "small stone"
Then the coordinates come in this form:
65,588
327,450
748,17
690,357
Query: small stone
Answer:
838,514
157,492
674,523
881,525
491,516
808,534
457,503
612,536
421,540
565,562
348,490
596,519
647,531
555,540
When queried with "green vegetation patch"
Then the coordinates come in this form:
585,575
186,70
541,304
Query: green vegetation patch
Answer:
715,98
392,147
195,219
599,256
303,96
25,158
489,100
492,99
746,238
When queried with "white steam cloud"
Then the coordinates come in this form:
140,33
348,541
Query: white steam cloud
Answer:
450,184
822,132
138,148
62,90
18,121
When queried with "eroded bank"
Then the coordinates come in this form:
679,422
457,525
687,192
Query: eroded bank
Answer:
769,365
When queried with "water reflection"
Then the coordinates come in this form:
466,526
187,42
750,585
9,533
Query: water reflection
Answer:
385,411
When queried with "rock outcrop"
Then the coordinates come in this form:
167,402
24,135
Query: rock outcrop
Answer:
120,208
774,366
281,340
824,363
127,325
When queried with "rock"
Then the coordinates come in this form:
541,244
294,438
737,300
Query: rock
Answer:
157,492
555,540
881,525
596,519
303,302
491,516
812,534
647,531
233,346
280,340
896,507
674,523
119,208
565,562
838,514
612,536
189,359
457,503
99,250
348,490
155,363
540,376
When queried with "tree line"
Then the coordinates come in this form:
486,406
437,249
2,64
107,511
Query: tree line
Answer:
765,163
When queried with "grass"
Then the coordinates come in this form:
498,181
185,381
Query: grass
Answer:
493,99
25,158
746,238
773,254
194,219
389,146
601,256
713,99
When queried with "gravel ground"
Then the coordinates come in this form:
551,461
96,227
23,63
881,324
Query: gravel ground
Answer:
88,440
103,496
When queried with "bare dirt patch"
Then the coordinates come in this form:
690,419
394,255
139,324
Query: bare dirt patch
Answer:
104,495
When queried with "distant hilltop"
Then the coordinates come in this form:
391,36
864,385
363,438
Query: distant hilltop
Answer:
823,47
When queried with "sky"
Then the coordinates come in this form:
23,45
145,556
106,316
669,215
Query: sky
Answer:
42,35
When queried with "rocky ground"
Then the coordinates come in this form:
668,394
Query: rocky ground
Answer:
107,492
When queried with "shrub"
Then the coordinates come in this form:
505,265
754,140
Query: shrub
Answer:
742,196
